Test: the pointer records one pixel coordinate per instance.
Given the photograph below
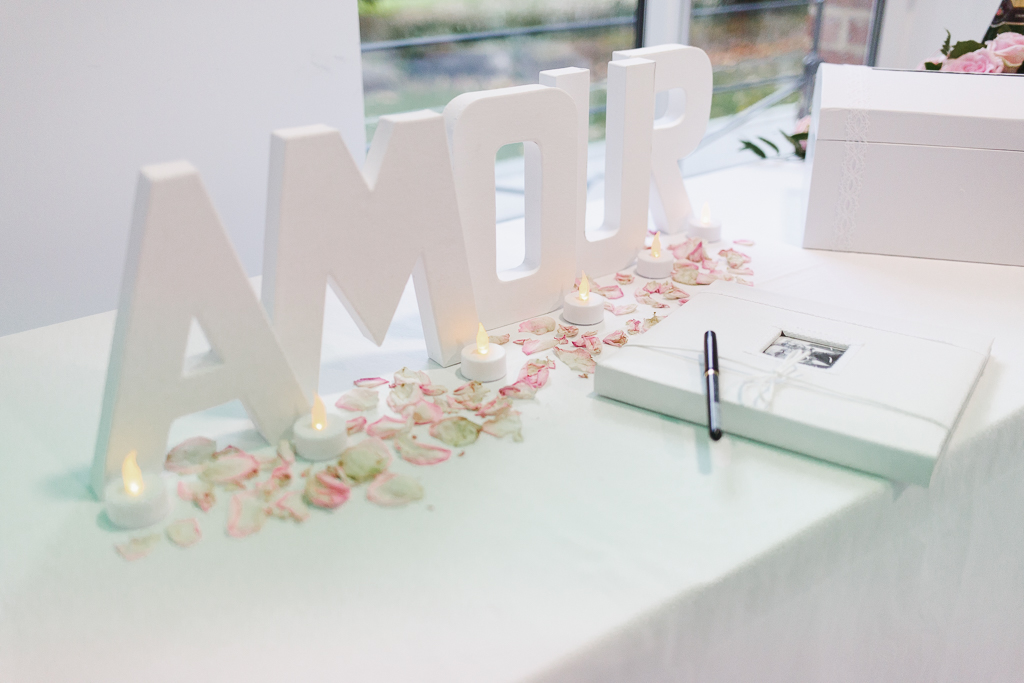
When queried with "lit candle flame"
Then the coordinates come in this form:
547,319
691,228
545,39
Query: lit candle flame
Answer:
319,413
584,288
483,344
705,214
656,246
132,475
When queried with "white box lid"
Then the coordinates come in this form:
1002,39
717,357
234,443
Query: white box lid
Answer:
936,108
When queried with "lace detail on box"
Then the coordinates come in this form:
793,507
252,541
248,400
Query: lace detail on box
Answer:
852,171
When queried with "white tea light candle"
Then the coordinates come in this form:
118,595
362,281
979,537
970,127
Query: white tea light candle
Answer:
654,264
136,499
483,361
705,228
319,436
583,307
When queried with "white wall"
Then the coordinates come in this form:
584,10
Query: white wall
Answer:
913,30
91,91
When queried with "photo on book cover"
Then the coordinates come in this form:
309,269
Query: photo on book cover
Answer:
816,354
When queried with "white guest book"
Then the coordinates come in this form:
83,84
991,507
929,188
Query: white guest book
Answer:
872,393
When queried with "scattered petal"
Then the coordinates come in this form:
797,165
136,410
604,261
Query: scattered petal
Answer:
388,427
535,372
735,259
495,407
326,490
624,278
190,455
279,480
520,342
394,489
616,338
365,460
568,331
471,395
286,453
633,326
355,425
744,243
448,404
358,400
233,468
741,271
610,292
673,293
137,548
705,279
651,322
500,340
579,360
590,343
743,281
184,532
507,423
370,382
519,390
433,389
246,514
418,453
198,492
423,412
648,301
407,376
541,325
291,505
537,345
456,431
403,395
624,309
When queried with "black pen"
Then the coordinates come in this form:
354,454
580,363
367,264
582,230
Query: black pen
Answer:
711,385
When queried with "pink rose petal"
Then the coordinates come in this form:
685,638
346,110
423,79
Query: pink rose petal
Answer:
418,453
579,360
403,395
616,338
705,279
535,372
393,489
198,492
500,340
370,382
433,389
520,342
541,325
470,395
651,322
291,505
741,271
673,293
233,468
246,514
456,431
355,425
537,345
507,423
137,548
633,326
423,412
568,331
624,278
744,243
610,292
407,376
494,407
190,455
365,460
358,400
590,343
518,390
184,532
624,309
327,490
388,427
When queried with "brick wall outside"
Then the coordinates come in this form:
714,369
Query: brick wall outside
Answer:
845,30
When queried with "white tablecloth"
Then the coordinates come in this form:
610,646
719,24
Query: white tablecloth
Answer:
611,545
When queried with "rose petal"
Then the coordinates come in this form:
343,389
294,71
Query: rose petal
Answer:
394,489
137,548
403,395
471,394
358,400
433,389
541,325
624,309
388,427
370,382
519,390
423,412
233,468
705,279
286,453
448,404
246,514
624,278
590,343
291,505
365,460
568,331
535,372
418,453
184,532
496,406
325,490
610,292
741,271
744,243
501,340
537,345
633,326
355,425
190,455
456,431
407,376
651,322
507,423
742,281
616,338
519,342
579,360
673,293
279,479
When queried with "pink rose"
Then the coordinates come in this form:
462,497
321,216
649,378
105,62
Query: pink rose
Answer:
978,62
1009,47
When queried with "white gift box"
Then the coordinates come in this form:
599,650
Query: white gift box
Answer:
917,163
884,399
